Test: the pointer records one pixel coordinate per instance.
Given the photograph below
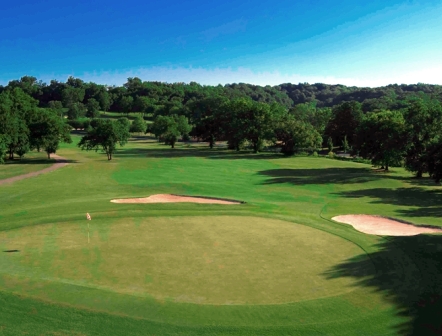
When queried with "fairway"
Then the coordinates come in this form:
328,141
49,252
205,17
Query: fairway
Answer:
274,265
206,260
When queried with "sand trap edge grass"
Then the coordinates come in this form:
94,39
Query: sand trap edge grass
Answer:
384,226
172,198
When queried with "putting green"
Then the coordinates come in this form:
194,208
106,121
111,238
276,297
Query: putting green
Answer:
206,260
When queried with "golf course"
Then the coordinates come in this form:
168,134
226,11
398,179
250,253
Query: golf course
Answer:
273,263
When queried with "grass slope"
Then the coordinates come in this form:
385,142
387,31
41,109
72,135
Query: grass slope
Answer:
389,285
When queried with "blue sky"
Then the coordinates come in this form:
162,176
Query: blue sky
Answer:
363,43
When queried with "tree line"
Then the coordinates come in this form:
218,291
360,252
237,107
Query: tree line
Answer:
391,125
161,98
24,126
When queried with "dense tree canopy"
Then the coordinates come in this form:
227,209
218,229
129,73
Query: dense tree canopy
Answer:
424,126
344,121
394,124
47,130
380,137
295,134
105,135
138,125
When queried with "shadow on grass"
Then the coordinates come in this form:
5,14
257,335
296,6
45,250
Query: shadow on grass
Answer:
319,176
215,153
36,162
422,202
408,274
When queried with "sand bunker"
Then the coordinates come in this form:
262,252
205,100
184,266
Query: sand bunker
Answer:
168,198
382,226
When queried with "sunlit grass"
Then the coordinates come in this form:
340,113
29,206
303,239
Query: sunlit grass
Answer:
181,268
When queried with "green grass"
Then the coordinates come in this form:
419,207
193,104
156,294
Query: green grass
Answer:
31,162
176,269
248,260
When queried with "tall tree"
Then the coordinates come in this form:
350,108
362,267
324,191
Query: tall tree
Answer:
105,135
56,106
104,99
424,124
143,104
207,115
182,125
295,134
47,131
249,120
16,108
138,125
345,119
434,159
380,137
126,103
93,108
76,110
167,129
3,148
72,95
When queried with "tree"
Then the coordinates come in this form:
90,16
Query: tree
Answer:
29,85
345,145
126,103
159,126
171,135
106,135
295,134
344,122
16,109
250,121
22,148
93,108
124,122
143,104
182,125
380,138
434,160
330,144
72,95
48,131
138,125
165,128
57,107
3,148
76,111
104,99
207,115
424,124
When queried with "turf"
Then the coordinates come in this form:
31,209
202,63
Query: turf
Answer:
207,260
32,162
282,235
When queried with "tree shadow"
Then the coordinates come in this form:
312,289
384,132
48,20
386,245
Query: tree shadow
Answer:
422,202
319,176
407,273
26,161
215,153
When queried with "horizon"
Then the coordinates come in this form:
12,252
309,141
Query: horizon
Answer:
364,45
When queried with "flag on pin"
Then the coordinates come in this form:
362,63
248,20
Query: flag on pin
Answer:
88,216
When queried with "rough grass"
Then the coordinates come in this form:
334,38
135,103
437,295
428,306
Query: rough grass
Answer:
31,162
389,285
